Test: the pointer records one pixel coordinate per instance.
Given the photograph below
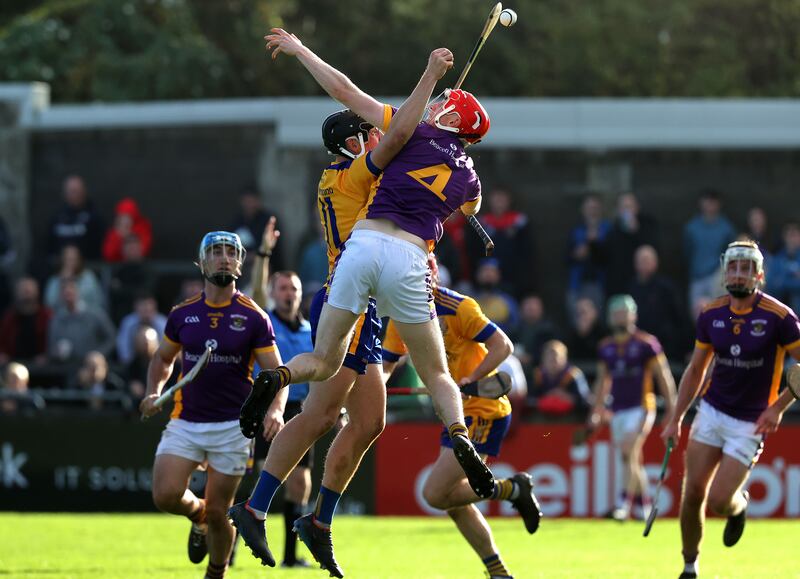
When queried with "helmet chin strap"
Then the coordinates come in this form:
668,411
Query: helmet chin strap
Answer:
739,291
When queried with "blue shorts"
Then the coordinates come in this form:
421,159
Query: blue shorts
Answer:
486,434
365,348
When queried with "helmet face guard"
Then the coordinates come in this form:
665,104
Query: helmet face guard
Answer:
341,126
621,303
474,120
221,243
742,268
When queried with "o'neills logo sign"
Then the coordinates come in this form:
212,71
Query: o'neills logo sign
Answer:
580,481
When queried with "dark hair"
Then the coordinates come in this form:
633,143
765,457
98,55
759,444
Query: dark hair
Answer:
711,194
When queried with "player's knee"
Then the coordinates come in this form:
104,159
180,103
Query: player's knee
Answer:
719,502
216,514
369,428
693,493
166,499
434,497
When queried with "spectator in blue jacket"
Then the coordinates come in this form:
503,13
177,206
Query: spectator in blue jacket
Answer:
705,237
587,255
784,276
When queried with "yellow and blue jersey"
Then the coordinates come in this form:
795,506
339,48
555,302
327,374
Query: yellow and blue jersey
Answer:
464,328
342,193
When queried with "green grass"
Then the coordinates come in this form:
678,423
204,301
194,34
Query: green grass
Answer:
152,546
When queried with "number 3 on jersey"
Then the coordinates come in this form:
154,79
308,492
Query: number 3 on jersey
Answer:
433,178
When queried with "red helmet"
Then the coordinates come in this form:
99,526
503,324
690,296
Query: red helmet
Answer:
475,121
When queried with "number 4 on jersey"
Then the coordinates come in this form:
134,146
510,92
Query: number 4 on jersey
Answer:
433,178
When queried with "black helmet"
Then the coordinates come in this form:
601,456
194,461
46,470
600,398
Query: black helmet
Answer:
339,127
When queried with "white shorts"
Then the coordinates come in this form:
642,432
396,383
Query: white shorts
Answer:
737,438
221,443
393,271
636,420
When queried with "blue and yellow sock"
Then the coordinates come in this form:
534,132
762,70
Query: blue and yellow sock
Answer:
504,490
262,495
285,375
327,500
457,428
495,566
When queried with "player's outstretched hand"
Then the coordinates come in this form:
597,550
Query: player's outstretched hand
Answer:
270,236
769,420
439,62
280,41
147,406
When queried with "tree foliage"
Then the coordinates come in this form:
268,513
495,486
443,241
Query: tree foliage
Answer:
113,50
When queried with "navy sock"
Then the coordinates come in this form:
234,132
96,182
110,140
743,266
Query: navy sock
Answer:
291,512
326,506
262,495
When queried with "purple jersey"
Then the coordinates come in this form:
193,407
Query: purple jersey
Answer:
429,178
235,330
630,366
749,348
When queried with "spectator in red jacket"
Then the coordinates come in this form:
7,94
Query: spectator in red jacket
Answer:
128,221
23,328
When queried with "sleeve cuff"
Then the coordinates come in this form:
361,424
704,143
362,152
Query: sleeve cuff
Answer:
265,349
485,333
793,345
170,340
702,345
371,166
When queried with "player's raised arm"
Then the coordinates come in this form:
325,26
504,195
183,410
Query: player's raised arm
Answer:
261,264
332,81
158,372
408,116
689,387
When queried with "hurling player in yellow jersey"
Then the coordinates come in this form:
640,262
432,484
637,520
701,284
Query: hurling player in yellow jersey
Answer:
475,346
344,187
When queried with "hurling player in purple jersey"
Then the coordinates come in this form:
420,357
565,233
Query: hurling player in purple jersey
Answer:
629,362
748,333
386,255
204,425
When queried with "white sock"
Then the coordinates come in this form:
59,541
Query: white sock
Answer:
260,515
690,567
514,492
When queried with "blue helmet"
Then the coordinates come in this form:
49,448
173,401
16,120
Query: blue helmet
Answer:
224,239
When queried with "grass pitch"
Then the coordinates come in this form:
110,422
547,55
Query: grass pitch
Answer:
154,546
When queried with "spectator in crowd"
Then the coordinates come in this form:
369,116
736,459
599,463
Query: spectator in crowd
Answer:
453,250
758,230
588,255
131,276
250,222
7,258
661,311
705,237
76,222
95,379
15,398
128,222
586,332
631,229
494,296
24,326
511,233
534,331
145,344
190,287
558,386
72,267
145,314
78,328
784,279
313,269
